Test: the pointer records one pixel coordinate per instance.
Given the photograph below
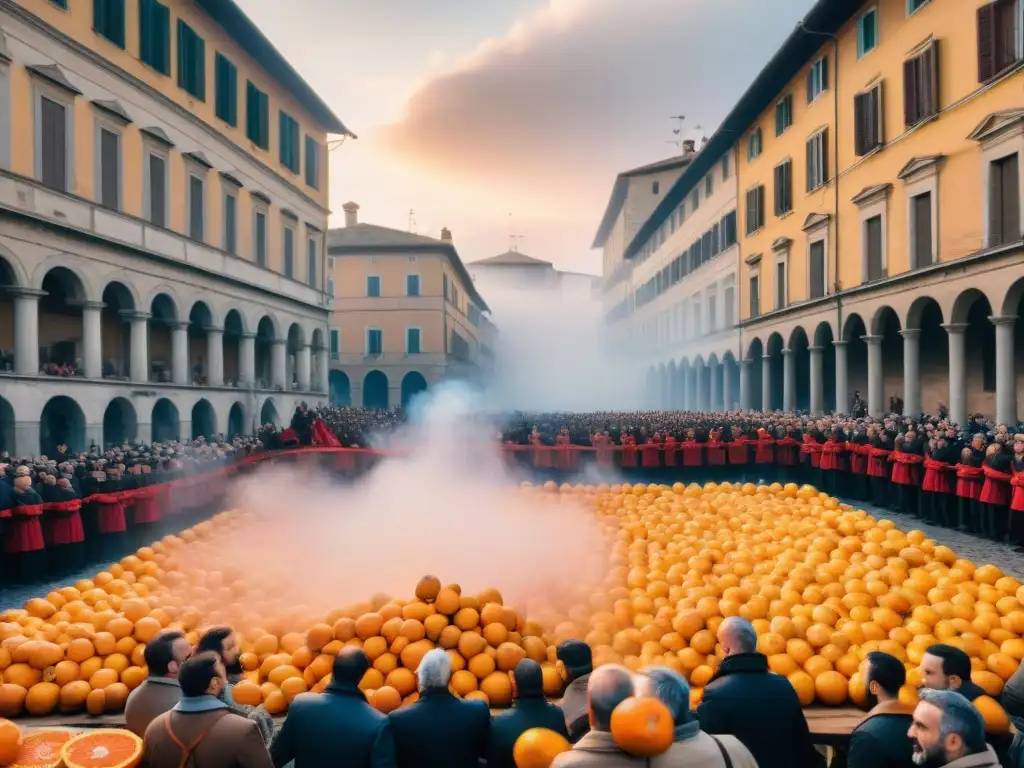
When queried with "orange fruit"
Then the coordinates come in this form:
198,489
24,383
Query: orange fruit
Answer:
12,699
498,688
642,726
96,702
42,699
41,749
386,699
10,742
102,748
538,747
428,588
831,688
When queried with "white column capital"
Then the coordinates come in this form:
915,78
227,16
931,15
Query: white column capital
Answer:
766,357
952,328
24,293
787,352
815,350
213,329
841,344
911,333
85,304
179,325
872,340
1004,320
132,314
746,362
247,335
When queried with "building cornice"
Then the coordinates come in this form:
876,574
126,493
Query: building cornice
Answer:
27,17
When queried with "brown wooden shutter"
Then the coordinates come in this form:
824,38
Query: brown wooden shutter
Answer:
922,207
929,86
157,191
910,111
760,206
986,42
53,144
860,123
824,157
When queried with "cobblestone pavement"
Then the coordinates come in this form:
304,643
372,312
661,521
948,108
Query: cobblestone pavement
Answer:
978,550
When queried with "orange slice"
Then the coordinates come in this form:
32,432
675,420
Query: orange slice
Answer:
41,749
103,748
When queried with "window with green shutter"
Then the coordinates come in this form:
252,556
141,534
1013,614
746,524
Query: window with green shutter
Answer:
155,35
191,61
312,163
288,139
226,77
108,20
62,4
257,116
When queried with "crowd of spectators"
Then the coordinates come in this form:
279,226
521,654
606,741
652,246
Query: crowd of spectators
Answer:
747,716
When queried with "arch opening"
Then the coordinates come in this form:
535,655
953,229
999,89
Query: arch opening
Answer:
413,383
234,327
166,423
375,390
200,320
61,328
854,331
164,316
268,413
120,423
204,420
265,336
8,282
62,422
755,353
115,331
236,421
295,344
341,388
6,426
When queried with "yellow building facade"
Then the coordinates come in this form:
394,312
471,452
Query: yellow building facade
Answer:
406,315
163,210
879,177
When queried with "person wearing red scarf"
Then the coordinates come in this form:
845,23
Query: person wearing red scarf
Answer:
1017,499
628,450
969,479
996,491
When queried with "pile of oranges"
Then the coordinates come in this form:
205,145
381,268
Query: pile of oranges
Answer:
823,584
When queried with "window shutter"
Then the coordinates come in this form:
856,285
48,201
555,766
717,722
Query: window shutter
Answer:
810,163
157,190
760,206
910,111
986,42
823,141
810,83
824,73
778,119
930,85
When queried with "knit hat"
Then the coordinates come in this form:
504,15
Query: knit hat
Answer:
576,656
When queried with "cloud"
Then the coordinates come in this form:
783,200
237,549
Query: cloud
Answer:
582,89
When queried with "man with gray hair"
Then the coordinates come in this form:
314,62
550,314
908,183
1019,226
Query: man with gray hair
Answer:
439,730
761,709
607,687
948,731
692,747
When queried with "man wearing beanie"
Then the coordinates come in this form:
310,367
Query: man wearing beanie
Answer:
575,664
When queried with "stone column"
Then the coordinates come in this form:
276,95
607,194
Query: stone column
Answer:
179,354
92,339
1006,394
324,370
745,393
842,386
302,361
247,359
215,357
716,387
26,336
766,383
957,372
144,432
138,365
788,380
911,371
876,376
726,386
278,363
817,384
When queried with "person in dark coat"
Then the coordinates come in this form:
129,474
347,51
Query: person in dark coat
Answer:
880,740
575,663
338,726
761,709
439,730
529,710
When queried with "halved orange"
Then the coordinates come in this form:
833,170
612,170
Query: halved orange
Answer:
103,748
41,749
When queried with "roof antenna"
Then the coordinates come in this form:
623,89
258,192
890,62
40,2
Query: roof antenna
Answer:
412,220
513,239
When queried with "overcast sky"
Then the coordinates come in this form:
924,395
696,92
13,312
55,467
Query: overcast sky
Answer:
468,111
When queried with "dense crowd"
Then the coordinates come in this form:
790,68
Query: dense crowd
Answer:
747,716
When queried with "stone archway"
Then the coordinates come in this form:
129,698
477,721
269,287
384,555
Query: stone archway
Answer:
823,339
755,356
61,423
970,316
800,387
8,282
115,332
268,413
200,364
375,390
236,421
162,327
854,331
62,327
6,426
204,420
340,388
166,423
413,384
234,328
120,423
773,350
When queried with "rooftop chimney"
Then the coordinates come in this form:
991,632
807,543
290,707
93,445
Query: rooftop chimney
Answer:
351,214
446,235
689,147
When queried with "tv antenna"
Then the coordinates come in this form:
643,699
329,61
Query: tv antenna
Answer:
412,219
513,238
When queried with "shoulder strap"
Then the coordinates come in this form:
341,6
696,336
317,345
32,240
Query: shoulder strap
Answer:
187,750
721,748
